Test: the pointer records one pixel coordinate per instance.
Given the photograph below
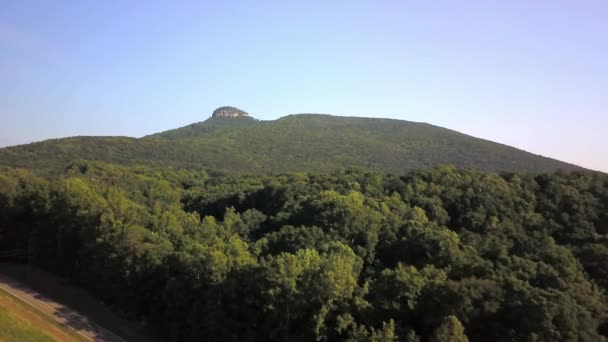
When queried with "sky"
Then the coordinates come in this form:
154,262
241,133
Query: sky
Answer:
530,74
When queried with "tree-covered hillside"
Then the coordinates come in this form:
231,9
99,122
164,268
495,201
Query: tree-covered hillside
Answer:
314,143
213,125
434,255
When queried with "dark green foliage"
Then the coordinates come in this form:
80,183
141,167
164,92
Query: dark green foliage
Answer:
296,143
436,255
212,125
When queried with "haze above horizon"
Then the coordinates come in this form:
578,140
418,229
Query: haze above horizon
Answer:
530,75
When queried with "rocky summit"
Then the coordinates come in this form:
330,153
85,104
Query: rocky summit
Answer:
229,112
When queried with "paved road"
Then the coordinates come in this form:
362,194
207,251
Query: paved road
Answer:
62,314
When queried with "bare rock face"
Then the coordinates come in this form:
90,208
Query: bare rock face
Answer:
229,112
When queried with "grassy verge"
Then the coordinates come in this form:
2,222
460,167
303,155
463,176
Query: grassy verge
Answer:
21,323
77,299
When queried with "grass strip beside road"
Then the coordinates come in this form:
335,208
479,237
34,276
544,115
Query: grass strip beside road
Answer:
20,322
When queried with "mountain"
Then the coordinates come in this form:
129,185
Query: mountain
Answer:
233,141
212,125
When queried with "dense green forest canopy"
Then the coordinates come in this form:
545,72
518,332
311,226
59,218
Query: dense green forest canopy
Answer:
295,143
213,125
437,255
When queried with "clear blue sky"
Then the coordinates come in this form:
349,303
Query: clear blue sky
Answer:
531,74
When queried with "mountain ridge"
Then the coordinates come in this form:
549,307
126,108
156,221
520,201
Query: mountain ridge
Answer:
295,142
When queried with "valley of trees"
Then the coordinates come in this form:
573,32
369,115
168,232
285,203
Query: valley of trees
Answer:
437,255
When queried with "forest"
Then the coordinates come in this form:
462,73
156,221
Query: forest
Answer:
294,143
442,254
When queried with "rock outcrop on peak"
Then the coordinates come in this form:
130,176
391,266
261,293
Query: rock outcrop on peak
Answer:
229,112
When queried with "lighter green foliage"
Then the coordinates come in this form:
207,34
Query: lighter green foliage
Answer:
418,215
78,193
289,271
217,258
338,272
386,333
450,330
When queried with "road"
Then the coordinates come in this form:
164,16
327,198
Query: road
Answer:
58,312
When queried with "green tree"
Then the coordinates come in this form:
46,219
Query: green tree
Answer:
450,330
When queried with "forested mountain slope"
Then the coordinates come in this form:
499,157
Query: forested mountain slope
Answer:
304,142
212,125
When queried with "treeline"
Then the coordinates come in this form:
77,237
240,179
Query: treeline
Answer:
438,255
